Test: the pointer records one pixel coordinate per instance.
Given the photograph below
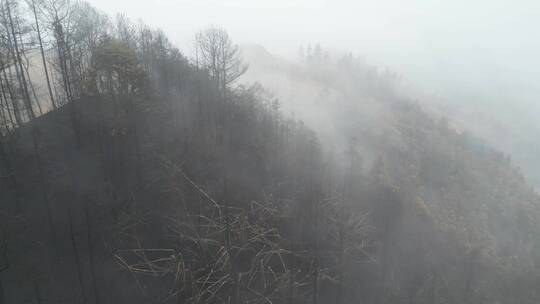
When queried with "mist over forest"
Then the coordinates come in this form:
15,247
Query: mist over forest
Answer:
269,152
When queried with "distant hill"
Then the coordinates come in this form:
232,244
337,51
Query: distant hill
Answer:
506,126
461,183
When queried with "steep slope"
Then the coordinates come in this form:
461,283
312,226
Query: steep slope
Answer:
110,204
160,182
154,184
455,188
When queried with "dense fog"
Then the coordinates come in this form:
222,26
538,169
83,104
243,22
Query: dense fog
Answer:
285,151
475,60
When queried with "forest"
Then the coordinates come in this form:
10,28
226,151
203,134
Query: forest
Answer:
131,172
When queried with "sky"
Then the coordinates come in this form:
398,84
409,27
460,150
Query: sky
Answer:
417,38
464,51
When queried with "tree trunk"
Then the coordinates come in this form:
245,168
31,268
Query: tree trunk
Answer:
10,173
25,70
91,252
14,103
44,195
76,254
19,66
62,53
45,69
3,115
6,100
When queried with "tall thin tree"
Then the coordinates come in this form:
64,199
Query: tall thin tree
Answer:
44,61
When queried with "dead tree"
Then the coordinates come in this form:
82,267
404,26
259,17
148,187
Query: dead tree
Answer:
91,252
25,65
7,88
26,96
76,254
66,68
45,69
19,69
219,56
10,122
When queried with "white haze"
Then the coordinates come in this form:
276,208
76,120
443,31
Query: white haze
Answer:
479,59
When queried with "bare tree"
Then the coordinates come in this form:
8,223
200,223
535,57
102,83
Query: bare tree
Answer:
17,58
217,54
59,15
45,69
7,90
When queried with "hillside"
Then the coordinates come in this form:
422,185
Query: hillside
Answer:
160,179
458,183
